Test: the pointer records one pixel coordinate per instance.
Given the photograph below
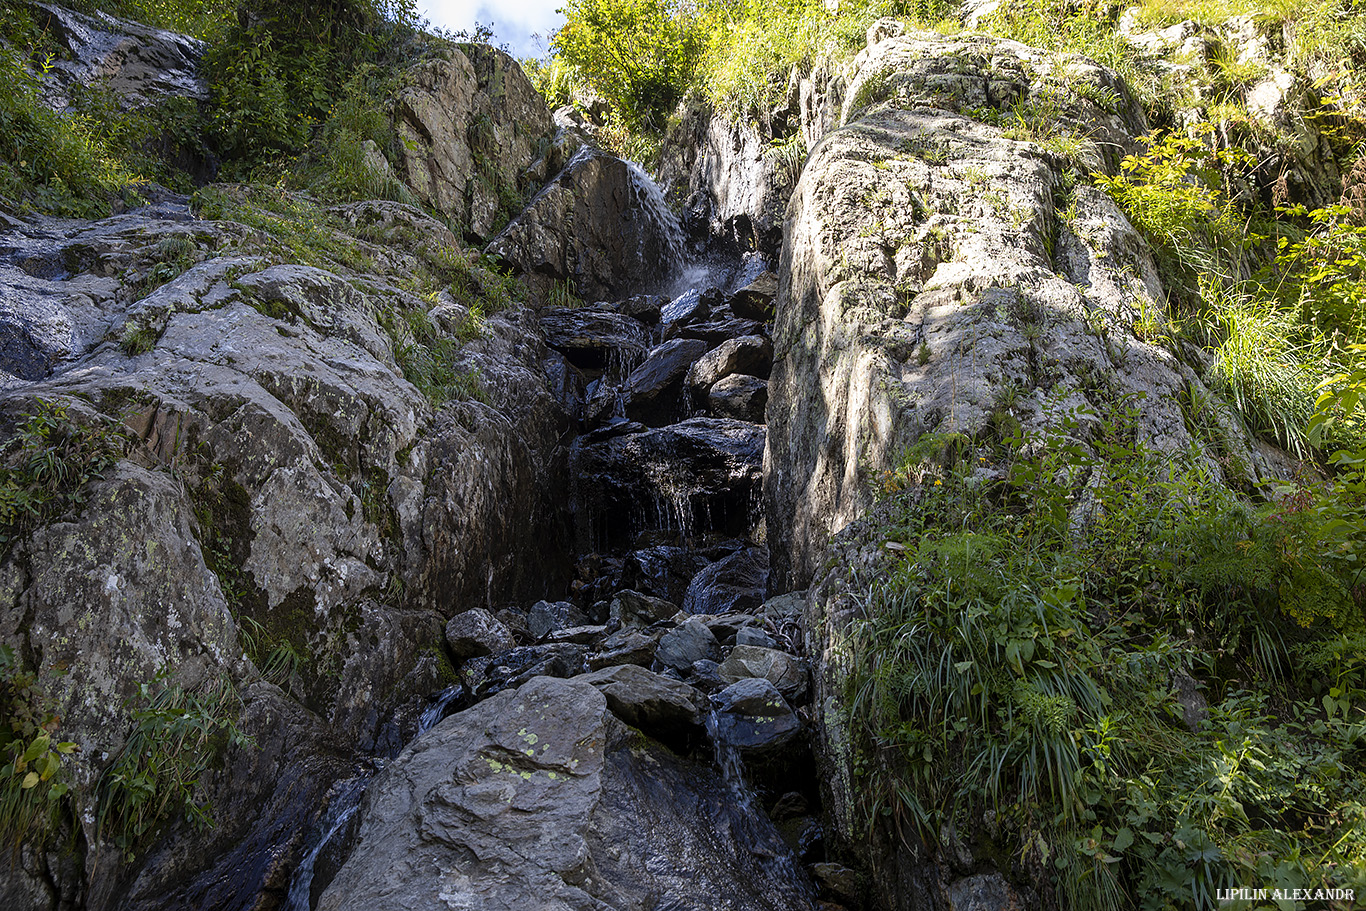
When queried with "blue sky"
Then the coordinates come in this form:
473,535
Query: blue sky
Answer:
514,21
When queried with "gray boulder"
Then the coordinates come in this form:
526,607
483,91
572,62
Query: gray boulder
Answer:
753,717
751,354
543,792
755,300
547,616
477,632
689,642
787,673
631,608
652,389
660,706
741,398
735,583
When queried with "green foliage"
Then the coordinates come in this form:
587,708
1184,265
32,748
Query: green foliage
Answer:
640,55
31,785
294,227
51,162
178,735
276,70
427,355
1022,656
1171,193
46,465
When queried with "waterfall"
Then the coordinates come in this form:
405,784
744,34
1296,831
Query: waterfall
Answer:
651,199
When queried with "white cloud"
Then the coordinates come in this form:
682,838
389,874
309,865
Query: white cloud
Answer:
514,21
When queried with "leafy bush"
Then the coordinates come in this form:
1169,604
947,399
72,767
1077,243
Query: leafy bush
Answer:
50,162
640,55
46,465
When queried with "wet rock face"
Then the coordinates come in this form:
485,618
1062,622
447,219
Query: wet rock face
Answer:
542,791
598,225
140,65
680,476
932,282
471,128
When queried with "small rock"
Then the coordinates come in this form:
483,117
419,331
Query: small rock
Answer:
836,880
477,632
546,616
632,608
733,584
705,676
752,635
680,647
627,646
656,704
741,397
784,671
578,635
755,300
753,717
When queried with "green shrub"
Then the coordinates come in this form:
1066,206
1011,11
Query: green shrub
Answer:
640,55
46,465
51,162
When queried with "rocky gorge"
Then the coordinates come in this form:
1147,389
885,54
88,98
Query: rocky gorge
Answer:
538,591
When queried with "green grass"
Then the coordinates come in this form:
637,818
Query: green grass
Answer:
1020,657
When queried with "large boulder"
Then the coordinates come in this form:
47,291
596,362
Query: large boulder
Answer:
471,128
281,501
543,792
601,225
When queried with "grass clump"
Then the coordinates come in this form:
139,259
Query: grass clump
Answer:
46,466
1022,661
178,735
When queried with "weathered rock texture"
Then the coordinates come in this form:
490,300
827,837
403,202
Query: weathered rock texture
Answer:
932,282
600,226
279,473
138,64
472,132
541,795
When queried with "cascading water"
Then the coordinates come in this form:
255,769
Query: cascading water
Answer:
339,814
651,198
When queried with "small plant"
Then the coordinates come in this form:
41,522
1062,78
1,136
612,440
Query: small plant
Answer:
31,785
136,339
46,465
178,736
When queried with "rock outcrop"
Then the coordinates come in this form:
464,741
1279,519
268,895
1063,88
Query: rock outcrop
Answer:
939,277
282,485
472,132
601,226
